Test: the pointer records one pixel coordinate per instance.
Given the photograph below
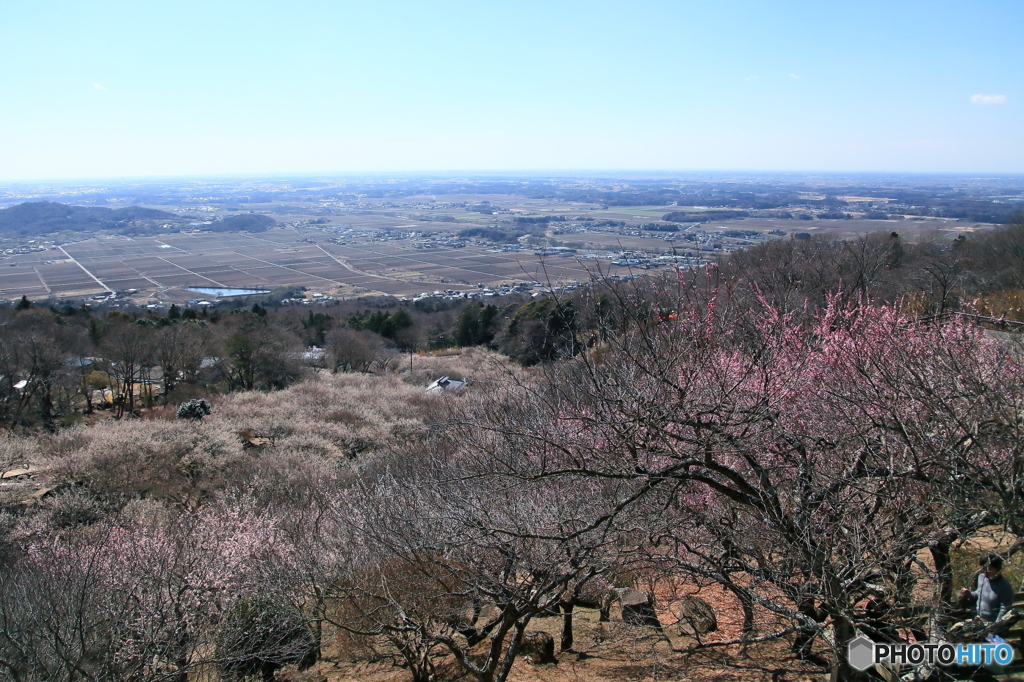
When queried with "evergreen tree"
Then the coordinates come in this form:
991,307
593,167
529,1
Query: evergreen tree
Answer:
475,325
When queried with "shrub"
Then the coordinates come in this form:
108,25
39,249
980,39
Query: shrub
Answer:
262,634
194,409
74,508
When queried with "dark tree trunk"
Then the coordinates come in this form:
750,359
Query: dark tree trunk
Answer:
842,671
943,570
746,604
46,408
567,640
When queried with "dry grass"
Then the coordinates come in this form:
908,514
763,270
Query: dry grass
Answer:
316,432
477,364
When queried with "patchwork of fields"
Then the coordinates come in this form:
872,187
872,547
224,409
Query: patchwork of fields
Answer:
161,267
390,250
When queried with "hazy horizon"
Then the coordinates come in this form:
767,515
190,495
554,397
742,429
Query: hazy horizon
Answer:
536,173
118,90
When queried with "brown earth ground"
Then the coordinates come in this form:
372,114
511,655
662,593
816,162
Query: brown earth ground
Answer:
616,651
602,651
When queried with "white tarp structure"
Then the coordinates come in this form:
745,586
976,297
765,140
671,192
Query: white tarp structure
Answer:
446,384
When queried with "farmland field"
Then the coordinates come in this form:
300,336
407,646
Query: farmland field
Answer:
161,267
389,249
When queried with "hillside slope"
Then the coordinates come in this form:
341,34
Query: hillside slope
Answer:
42,217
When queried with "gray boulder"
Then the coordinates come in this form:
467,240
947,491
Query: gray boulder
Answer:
638,608
538,647
695,616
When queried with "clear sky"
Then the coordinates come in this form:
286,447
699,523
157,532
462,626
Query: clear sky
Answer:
110,88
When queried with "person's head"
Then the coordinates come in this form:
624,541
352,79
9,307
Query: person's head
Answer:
991,564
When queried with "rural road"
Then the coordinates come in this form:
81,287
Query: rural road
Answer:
84,269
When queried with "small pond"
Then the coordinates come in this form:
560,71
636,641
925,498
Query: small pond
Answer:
220,293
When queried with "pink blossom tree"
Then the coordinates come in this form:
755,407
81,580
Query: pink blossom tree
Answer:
134,598
802,459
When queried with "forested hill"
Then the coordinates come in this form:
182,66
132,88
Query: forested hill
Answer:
42,217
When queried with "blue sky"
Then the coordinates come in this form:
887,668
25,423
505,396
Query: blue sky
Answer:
105,88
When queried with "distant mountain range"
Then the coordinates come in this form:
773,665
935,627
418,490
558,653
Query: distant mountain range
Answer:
42,217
